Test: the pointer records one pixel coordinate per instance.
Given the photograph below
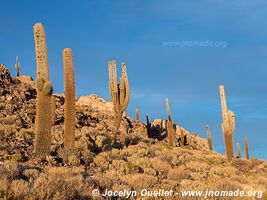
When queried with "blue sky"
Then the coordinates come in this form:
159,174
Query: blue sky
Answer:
162,45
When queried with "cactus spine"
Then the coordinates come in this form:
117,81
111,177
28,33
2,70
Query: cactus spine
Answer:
228,125
170,128
238,150
119,93
17,66
137,114
209,137
247,150
69,121
44,90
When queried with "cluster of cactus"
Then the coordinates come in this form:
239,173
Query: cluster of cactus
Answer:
246,149
119,93
46,103
172,129
119,96
228,125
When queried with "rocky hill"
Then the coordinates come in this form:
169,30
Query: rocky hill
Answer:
106,158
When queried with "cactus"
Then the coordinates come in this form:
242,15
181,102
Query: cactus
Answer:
69,121
44,90
228,125
209,137
238,150
148,127
247,150
17,66
137,114
171,131
119,93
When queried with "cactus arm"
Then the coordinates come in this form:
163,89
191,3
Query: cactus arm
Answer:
110,82
47,89
110,90
127,93
122,92
39,84
114,76
231,120
125,100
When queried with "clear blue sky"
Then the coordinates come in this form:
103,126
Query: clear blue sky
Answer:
146,35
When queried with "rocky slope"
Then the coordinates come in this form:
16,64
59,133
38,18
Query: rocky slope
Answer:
105,158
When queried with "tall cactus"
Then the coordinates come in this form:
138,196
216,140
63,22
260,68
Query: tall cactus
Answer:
119,93
228,125
238,150
209,137
170,128
246,147
137,114
44,90
17,66
69,121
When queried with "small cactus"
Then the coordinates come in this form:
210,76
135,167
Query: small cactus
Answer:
70,115
170,128
119,93
238,150
137,114
209,137
247,150
228,125
17,66
43,120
